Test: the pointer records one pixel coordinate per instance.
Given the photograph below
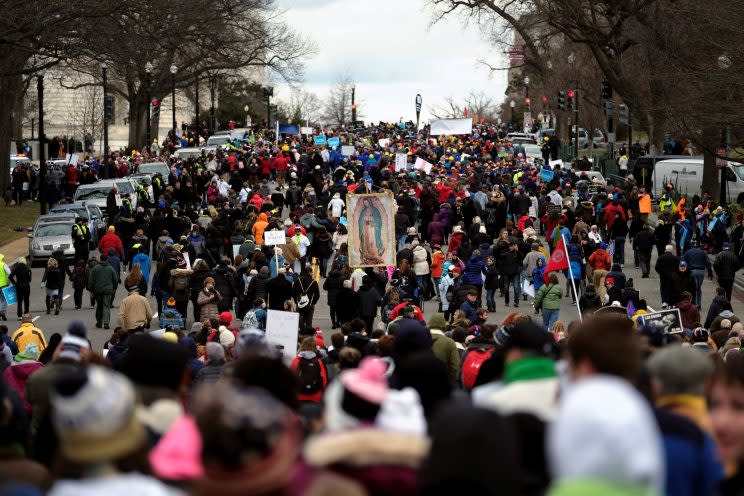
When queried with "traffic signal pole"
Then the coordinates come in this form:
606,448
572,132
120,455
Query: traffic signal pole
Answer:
576,123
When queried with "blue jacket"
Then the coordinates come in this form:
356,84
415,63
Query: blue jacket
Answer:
472,273
171,317
691,453
470,310
144,262
696,259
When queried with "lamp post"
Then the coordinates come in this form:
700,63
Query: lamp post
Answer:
571,61
148,128
353,103
419,101
512,104
42,142
173,70
196,110
268,93
212,117
247,116
527,102
104,71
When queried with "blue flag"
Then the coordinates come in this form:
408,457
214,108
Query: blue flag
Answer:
631,309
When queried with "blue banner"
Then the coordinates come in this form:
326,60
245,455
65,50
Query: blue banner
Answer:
320,140
334,141
546,176
289,129
9,293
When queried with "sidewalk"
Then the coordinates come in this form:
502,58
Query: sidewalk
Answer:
15,249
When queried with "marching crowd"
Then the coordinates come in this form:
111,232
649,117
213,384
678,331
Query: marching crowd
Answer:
385,401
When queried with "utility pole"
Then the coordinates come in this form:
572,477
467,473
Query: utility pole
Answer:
196,110
353,103
42,142
106,108
576,123
419,101
148,132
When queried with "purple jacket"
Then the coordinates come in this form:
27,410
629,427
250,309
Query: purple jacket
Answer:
444,216
436,231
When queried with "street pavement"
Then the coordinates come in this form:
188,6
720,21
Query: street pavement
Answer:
648,288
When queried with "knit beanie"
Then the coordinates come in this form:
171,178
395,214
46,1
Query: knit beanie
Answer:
437,321
250,340
93,412
226,338
75,343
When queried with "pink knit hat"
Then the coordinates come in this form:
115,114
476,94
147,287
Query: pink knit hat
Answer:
368,381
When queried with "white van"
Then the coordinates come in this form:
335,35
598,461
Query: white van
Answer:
686,175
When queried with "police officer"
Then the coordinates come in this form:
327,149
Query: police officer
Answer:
81,239
126,206
143,198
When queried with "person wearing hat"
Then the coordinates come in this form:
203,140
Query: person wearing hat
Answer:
111,240
680,281
81,238
170,316
102,283
470,307
95,419
725,265
688,310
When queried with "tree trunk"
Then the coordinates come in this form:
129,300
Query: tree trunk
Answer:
711,174
10,89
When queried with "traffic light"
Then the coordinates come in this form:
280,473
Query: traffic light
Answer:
623,113
570,100
545,99
108,107
155,108
353,106
527,102
562,100
606,90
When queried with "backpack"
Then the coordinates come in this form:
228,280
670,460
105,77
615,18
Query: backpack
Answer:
250,321
472,364
180,284
310,375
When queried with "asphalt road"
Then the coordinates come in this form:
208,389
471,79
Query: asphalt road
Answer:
649,289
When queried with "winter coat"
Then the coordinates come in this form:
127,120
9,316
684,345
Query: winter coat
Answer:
437,264
369,300
224,283
17,375
473,271
102,280
666,265
420,262
511,262
690,314
455,242
445,349
179,284
726,264
207,302
21,276
210,373
491,280
600,260
549,297
436,231
278,290
589,302
111,240
444,284
333,285
321,246
716,307
134,311
52,278
259,227
309,288
470,310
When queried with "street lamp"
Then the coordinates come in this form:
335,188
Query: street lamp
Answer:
419,101
571,61
196,109
148,96
247,116
42,142
173,70
212,96
353,103
512,104
106,108
268,93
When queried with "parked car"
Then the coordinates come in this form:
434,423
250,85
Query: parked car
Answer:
48,237
186,153
145,180
153,168
96,193
94,214
219,140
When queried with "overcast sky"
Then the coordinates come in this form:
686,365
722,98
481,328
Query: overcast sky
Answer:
389,49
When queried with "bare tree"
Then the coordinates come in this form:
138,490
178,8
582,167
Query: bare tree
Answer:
337,109
302,107
478,105
86,117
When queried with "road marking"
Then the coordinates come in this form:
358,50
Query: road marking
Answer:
65,297
35,318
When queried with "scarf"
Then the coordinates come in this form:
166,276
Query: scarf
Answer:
529,369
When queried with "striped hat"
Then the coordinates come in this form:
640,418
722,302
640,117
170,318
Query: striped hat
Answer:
75,343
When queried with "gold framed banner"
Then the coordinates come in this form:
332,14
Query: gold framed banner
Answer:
371,227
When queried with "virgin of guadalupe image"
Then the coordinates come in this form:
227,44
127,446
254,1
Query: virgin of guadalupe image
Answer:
371,247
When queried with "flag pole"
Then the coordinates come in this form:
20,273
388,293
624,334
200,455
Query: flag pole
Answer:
573,282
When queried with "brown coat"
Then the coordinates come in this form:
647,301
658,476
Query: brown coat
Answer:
290,252
208,305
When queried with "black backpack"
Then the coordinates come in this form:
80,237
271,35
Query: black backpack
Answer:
310,375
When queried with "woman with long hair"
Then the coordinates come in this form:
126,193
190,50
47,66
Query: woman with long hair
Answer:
52,281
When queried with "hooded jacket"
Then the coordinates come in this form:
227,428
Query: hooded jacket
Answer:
589,301
259,227
420,261
436,231
17,375
473,271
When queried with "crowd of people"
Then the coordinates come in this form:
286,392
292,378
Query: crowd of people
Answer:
385,401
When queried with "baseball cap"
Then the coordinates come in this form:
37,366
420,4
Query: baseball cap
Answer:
683,264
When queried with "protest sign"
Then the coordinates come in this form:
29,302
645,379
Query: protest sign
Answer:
423,165
401,162
334,141
187,258
383,142
347,151
529,288
281,332
236,249
272,238
555,163
9,293
670,320
320,140
450,126
306,130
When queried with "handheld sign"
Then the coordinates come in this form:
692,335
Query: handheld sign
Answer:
335,141
401,162
272,238
282,329
320,140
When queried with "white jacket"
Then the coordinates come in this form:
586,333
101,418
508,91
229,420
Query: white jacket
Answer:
420,264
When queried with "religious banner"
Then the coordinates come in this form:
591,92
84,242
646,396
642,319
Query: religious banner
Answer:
371,227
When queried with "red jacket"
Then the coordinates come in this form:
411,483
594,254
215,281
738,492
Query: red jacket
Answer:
315,397
444,193
111,240
610,211
281,163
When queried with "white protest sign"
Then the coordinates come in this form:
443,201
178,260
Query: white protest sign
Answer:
306,130
272,238
422,164
347,150
555,163
383,142
236,249
187,258
401,161
282,329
